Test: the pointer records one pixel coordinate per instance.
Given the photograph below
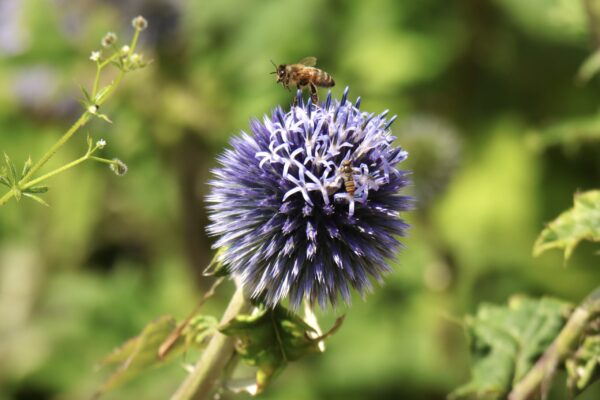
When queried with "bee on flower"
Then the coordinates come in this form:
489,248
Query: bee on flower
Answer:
307,206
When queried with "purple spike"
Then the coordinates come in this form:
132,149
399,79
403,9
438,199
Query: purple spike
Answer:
279,206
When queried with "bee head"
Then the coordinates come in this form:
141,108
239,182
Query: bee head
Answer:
279,71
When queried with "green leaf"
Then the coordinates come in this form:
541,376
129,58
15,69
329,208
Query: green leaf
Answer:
140,353
102,92
104,117
217,267
36,189
27,167
86,95
4,177
36,199
583,367
505,343
12,177
582,222
589,68
569,133
199,330
270,338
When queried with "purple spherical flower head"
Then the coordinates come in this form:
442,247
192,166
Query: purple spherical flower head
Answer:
282,207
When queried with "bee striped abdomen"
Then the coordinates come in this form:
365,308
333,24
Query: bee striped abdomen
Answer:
323,79
347,175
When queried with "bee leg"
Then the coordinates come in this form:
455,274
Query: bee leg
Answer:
314,95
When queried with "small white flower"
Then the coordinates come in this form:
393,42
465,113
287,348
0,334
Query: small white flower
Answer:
101,143
92,109
125,50
95,56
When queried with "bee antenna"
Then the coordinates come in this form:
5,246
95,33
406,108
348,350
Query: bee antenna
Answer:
275,65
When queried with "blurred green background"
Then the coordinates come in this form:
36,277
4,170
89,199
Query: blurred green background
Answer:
488,108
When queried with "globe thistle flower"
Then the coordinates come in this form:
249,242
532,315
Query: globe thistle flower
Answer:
284,217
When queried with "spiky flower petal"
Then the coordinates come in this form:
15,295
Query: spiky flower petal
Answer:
284,210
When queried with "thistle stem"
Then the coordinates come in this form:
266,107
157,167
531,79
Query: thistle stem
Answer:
533,383
200,384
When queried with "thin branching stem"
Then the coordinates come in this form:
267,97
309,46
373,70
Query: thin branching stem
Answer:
26,181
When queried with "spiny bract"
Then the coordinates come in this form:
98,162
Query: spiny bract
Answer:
280,207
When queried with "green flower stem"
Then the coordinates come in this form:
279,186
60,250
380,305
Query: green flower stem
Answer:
66,167
102,160
26,181
533,383
85,117
74,128
134,41
7,196
99,67
200,384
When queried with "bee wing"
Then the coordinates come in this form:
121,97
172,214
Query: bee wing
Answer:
308,61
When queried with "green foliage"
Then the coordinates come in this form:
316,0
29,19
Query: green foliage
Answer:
506,341
141,353
583,367
570,133
271,338
12,179
132,246
559,20
582,222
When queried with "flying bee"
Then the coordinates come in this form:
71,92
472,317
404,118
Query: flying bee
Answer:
303,74
348,177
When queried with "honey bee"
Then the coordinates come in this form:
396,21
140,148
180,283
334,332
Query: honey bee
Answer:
303,74
348,177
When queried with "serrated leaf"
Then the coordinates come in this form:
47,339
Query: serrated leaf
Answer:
270,338
582,222
506,341
12,177
36,199
27,166
140,353
583,367
199,329
36,189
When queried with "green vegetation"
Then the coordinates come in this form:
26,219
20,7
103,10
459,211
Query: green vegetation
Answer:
496,105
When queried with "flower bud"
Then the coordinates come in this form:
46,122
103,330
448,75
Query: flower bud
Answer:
118,167
109,39
139,23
